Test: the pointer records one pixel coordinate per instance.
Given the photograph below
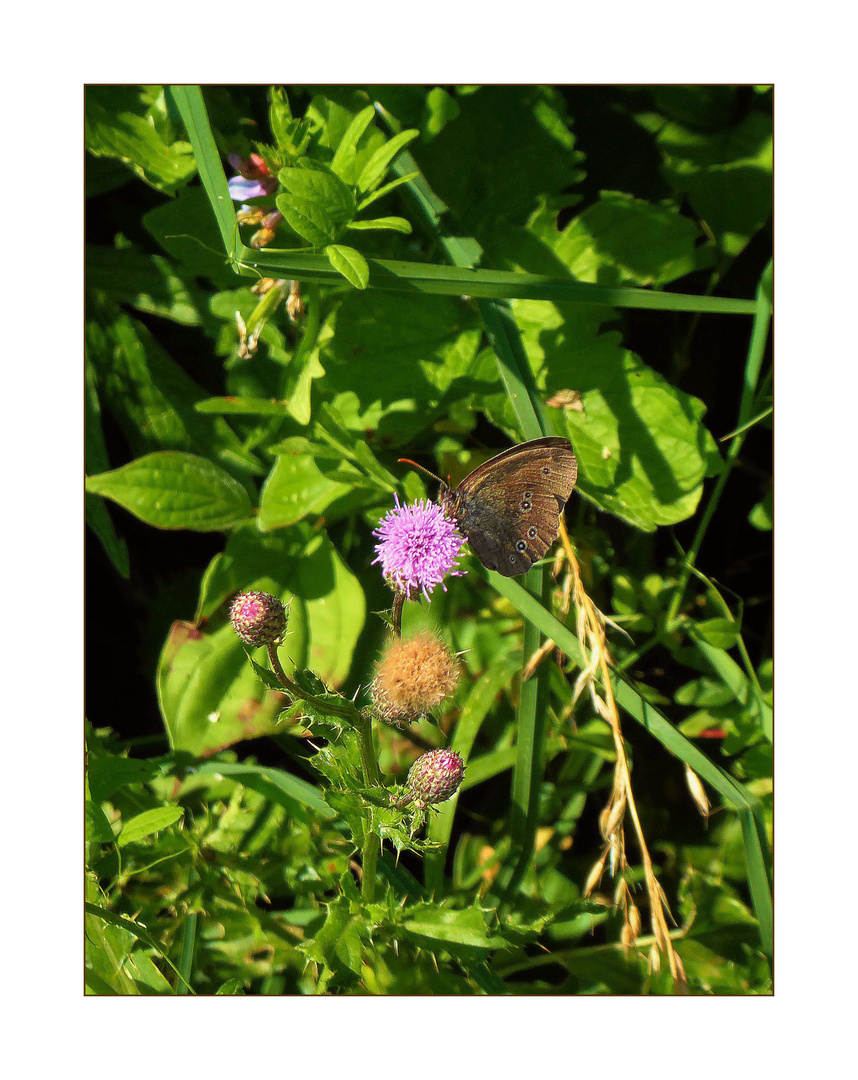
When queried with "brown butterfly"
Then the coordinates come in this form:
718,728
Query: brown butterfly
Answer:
509,508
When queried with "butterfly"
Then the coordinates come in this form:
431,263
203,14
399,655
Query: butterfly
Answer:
509,507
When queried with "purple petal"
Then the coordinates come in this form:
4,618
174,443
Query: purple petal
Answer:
241,189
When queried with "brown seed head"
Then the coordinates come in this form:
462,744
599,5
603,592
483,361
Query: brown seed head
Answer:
414,676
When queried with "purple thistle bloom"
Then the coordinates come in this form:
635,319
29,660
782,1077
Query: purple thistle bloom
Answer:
418,547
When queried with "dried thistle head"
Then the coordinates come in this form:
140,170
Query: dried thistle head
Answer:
413,677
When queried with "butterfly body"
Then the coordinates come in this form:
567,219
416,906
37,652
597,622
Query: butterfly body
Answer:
509,508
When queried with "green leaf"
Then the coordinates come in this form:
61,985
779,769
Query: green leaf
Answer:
396,363
305,482
108,773
300,798
350,263
762,515
464,934
397,224
97,826
379,193
149,822
124,122
303,569
643,450
727,175
622,240
316,205
343,163
176,491
721,633
377,165
153,399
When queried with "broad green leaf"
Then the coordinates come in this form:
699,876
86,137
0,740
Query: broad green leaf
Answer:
397,224
762,515
508,148
350,263
316,205
147,282
303,568
176,491
153,399
121,122
621,240
108,773
642,448
186,228
221,406
459,932
304,482
727,175
149,822
209,695
395,364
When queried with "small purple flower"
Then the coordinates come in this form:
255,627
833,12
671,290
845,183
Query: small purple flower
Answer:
418,547
254,178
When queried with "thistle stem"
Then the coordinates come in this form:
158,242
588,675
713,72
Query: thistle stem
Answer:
372,778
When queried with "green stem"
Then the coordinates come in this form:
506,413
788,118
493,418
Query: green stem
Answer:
756,352
348,712
372,778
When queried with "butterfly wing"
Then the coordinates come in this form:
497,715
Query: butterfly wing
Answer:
510,507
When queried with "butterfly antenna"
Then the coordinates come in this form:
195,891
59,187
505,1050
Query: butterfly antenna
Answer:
408,461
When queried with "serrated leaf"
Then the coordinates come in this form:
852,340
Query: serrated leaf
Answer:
350,263
176,491
147,823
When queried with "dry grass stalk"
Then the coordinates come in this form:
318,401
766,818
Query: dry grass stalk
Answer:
595,678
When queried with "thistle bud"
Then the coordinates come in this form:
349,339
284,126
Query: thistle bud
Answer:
258,618
413,677
433,778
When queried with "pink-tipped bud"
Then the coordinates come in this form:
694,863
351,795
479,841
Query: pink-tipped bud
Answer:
434,778
258,618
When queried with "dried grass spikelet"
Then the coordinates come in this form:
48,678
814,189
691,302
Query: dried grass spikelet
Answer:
595,679
413,677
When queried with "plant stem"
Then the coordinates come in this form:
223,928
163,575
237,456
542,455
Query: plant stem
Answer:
348,712
372,778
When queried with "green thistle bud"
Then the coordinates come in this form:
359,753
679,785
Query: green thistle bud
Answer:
258,618
433,778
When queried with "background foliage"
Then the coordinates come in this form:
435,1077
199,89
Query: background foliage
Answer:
220,857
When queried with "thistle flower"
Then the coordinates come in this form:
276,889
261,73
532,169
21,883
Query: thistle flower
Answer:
433,778
413,676
418,547
258,618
